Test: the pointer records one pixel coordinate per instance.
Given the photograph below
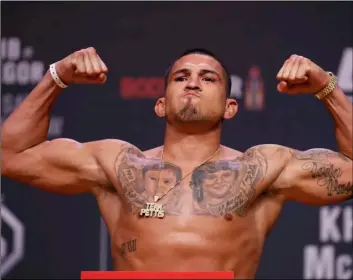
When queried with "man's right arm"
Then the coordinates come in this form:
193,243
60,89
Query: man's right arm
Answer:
60,165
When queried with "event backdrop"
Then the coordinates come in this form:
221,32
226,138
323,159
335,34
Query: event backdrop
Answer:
51,236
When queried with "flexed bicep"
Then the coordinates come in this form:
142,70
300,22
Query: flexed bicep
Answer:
61,166
317,176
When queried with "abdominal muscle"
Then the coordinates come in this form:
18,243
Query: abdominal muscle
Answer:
187,243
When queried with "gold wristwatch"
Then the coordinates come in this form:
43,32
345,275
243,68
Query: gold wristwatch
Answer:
328,88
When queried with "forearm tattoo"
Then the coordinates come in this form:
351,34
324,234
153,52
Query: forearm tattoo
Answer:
318,162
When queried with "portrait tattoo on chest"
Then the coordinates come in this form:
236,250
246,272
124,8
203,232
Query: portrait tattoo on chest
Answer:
218,188
143,178
225,186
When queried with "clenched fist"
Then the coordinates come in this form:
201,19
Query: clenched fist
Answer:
82,67
300,75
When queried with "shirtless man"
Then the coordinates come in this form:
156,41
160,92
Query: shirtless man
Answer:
196,235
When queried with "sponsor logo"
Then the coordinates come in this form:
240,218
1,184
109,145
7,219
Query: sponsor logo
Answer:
328,260
254,90
141,87
153,87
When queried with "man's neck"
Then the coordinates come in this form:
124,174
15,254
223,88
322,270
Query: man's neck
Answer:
193,148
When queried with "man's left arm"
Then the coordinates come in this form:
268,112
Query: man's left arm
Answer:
318,176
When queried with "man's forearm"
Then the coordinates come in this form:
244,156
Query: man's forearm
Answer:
340,108
28,125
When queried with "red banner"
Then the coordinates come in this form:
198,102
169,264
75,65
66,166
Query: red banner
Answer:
102,275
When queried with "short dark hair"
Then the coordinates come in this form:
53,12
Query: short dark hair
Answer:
204,52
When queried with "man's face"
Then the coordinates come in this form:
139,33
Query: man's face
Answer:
218,184
196,90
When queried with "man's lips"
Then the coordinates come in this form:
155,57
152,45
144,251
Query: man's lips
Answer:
190,94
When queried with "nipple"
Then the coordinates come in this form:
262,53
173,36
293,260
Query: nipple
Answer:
228,217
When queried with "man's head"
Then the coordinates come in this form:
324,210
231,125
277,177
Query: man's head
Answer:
197,90
206,53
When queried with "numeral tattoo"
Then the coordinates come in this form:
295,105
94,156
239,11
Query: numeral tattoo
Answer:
128,247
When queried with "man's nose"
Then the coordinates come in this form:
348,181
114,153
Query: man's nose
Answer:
193,83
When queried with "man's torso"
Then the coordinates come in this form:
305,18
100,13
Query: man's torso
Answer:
216,218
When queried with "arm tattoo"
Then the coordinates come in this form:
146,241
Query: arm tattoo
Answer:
317,155
228,186
326,174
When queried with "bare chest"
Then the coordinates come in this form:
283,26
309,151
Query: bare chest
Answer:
196,243
151,188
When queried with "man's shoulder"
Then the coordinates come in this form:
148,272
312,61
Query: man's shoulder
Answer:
257,151
265,148
230,153
154,152
106,144
112,148
119,148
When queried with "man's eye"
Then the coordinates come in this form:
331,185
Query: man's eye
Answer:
180,79
208,79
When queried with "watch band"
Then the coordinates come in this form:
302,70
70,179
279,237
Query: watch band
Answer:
328,88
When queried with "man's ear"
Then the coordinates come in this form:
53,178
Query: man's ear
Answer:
231,109
159,108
